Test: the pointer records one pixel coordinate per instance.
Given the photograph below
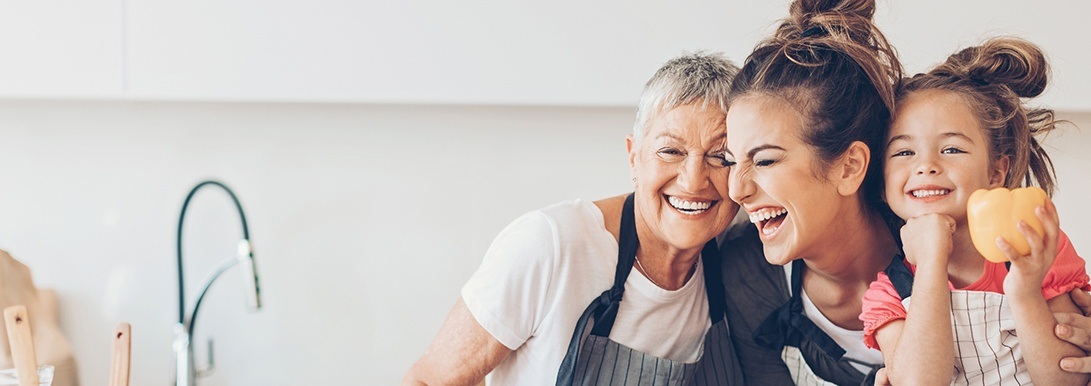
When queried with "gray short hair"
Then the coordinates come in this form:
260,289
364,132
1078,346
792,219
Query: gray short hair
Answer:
690,78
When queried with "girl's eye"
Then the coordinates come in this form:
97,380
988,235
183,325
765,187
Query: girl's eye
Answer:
951,150
902,153
763,162
671,154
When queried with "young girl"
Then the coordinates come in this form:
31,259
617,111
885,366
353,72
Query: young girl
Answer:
959,128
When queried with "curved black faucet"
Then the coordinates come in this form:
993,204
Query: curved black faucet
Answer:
183,350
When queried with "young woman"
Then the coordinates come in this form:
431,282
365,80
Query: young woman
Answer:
809,112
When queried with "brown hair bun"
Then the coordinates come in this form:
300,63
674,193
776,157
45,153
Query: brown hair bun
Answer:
1018,64
992,78
836,69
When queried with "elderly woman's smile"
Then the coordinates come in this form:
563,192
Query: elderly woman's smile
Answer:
633,274
681,176
690,207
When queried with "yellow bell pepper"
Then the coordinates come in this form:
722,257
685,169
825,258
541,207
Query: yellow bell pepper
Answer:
996,213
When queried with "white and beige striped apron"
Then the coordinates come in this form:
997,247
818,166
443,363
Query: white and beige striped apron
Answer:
987,348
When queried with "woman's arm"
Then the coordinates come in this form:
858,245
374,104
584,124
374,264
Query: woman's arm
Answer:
1075,328
461,354
915,349
1043,351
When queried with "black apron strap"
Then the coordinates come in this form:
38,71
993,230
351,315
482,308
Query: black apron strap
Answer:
710,263
900,276
602,312
626,254
788,325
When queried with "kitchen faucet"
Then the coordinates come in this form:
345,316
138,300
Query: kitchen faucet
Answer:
185,371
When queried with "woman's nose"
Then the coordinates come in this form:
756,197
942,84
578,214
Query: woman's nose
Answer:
694,174
739,186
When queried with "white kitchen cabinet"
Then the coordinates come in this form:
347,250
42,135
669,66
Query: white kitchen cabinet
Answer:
574,53
62,49
465,52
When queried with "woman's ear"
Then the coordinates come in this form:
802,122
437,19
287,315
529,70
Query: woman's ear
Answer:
631,147
848,174
1000,172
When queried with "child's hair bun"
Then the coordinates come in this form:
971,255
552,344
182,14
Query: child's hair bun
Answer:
1012,62
994,78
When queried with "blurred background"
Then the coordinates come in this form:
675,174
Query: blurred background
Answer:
378,147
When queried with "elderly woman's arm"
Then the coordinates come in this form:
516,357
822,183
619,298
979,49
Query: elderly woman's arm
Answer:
461,354
1076,329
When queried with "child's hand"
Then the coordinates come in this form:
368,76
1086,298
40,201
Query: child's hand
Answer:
1027,272
926,239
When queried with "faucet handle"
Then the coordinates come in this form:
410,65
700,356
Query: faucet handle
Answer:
202,373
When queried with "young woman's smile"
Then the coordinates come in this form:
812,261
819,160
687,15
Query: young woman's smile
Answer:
774,178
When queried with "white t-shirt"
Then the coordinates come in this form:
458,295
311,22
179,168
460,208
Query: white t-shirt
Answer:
852,341
546,267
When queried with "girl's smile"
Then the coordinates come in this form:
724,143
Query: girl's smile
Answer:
937,155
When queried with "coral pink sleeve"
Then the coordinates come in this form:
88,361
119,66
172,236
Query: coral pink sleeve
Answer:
1068,272
881,306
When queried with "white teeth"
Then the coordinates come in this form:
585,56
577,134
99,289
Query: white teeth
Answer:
929,193
689,206
766,214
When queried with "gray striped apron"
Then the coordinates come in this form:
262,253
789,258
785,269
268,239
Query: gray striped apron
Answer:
593,359
987,349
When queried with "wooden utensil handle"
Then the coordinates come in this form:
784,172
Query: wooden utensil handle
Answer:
22,345
119,365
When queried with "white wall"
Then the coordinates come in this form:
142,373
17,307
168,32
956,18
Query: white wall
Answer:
366,219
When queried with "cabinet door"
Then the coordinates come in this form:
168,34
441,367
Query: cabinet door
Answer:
62,49
468,52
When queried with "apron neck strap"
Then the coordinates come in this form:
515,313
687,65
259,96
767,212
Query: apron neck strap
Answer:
798,266
900,276
626,255
788,325
710,263
628,242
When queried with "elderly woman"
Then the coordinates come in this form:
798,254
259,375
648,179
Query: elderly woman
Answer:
623,290
809,112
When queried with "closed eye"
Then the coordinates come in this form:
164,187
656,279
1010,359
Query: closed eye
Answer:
717,159
671,154
764,162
